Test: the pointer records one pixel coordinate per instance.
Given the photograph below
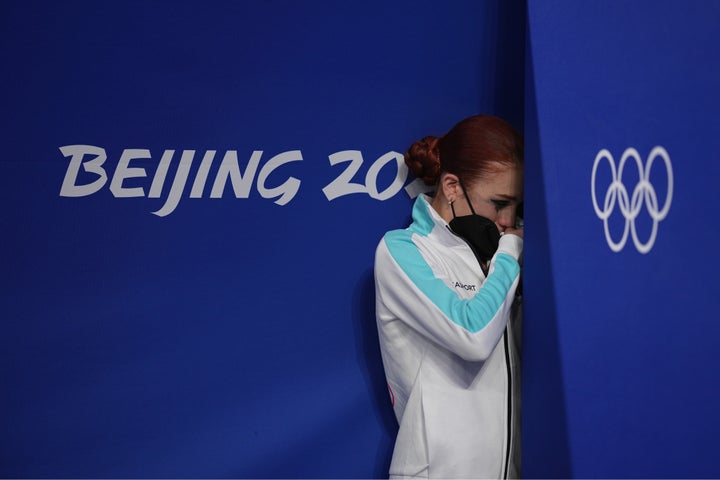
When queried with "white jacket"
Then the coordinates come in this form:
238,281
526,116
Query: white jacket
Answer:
451,364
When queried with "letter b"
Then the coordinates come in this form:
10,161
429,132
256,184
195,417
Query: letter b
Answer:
69,188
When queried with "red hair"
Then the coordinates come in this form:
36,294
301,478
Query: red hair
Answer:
473,148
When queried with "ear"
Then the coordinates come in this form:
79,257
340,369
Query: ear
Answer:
451,187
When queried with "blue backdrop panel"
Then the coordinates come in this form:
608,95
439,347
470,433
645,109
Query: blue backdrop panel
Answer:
192,193
621,336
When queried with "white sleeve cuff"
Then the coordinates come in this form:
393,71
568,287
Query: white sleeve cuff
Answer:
511,245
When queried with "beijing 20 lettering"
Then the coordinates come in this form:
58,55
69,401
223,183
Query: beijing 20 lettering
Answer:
94,175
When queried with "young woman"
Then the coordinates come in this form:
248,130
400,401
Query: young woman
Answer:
446,293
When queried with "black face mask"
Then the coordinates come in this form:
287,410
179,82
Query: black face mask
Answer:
481,233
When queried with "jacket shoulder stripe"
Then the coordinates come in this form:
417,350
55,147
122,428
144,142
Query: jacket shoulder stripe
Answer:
471,314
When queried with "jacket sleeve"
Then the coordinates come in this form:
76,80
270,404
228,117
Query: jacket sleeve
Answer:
407,290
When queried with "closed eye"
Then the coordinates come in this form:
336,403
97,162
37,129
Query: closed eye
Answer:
500,204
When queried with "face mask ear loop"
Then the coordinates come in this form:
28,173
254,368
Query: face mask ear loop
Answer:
466,197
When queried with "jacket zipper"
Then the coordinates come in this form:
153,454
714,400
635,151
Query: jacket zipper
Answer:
509,403
507,364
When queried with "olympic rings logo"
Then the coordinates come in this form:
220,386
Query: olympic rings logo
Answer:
643,193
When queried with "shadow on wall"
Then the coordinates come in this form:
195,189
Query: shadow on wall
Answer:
368,349
546,452
511,85
508,71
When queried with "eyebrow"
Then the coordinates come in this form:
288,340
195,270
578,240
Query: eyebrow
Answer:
506,197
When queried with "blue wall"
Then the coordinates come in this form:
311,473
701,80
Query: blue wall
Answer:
167,311
621,346
225,332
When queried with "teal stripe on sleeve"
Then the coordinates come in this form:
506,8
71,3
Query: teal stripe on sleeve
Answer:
471,314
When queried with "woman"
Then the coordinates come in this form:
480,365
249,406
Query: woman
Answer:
445,293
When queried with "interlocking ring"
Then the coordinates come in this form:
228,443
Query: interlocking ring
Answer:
644,192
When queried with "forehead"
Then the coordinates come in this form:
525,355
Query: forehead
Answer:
506,180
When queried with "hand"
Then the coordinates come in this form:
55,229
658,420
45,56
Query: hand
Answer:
515,231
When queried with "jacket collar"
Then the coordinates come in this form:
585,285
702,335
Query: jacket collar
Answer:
428,222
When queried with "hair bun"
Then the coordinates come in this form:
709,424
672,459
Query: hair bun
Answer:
423,159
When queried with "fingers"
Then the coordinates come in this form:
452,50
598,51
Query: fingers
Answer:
514,231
